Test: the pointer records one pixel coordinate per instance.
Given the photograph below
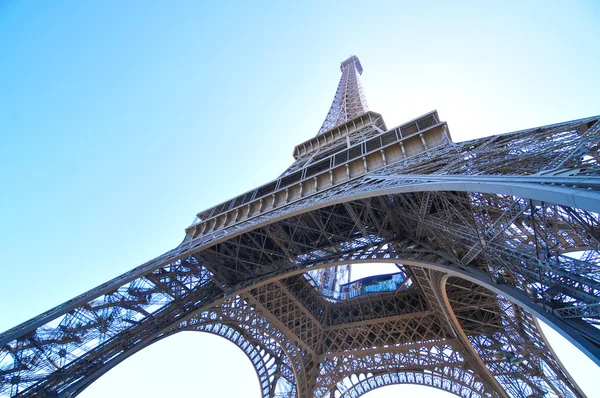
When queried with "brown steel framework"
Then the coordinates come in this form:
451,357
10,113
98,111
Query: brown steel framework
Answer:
487,235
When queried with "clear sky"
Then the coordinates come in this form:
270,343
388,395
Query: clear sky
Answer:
120,120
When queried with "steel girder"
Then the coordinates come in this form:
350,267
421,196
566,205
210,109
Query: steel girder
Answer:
349,101
504,212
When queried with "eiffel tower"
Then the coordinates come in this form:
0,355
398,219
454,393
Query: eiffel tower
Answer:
485,236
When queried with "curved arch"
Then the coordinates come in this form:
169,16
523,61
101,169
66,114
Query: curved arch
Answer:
249,321
585,338
213,322
438,365
542,189
373,382
266,370
556,384
260,364
172,363
471,274
508,329
478,278
563,195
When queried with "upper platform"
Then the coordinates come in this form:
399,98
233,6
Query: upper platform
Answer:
327,137
370,148
352,61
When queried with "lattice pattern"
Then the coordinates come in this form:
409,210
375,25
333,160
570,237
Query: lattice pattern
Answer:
354,375
512,209
513,332
376,307
349,101
276,359
291,314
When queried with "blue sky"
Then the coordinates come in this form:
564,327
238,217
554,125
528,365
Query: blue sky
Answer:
120,120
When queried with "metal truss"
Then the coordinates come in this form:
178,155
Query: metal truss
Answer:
349,101
488,234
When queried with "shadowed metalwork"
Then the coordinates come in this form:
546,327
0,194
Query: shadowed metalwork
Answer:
486,236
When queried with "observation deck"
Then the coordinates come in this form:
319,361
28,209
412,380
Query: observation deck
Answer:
352,160
374,284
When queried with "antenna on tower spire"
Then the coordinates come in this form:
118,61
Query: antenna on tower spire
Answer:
349,101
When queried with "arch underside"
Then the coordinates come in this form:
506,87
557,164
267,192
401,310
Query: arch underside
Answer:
277,360
437,364
435,360
377,242
361,384
436,214
494,325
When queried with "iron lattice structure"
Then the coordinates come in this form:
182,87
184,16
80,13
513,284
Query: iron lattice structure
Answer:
349,100
487,235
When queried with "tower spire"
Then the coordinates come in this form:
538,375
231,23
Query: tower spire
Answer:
349,101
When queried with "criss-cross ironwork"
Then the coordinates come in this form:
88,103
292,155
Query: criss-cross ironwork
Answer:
486,235
349,101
